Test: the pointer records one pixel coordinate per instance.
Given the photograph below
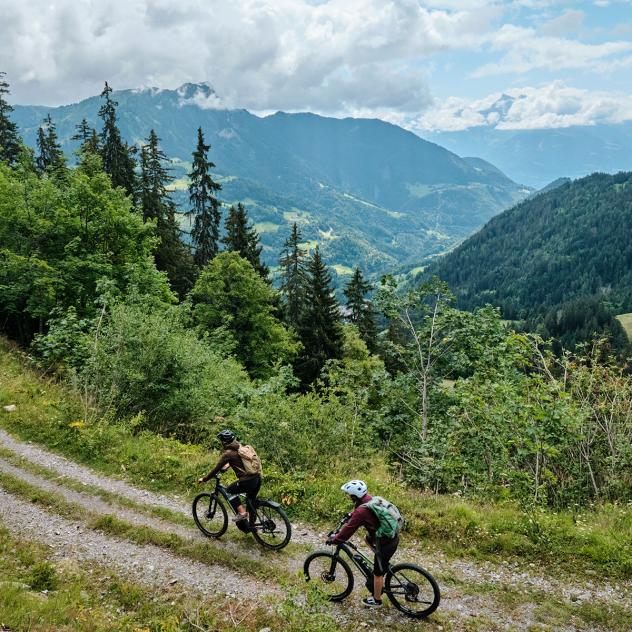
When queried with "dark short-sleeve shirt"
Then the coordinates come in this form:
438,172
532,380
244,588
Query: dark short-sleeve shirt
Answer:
231,457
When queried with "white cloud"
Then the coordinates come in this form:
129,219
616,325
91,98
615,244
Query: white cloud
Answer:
567,22
550,106
524,50
330,56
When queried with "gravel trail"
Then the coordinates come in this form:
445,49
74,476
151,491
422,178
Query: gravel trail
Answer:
147,564
83,474
455,598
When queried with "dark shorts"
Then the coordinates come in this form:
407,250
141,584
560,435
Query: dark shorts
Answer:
384,551
249,486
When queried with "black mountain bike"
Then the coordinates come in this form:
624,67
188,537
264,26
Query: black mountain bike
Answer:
267,521
410,588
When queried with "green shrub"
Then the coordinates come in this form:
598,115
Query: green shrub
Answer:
150,363
43,576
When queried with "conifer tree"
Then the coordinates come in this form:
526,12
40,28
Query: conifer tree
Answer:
51,158
9,139
205,207
87,136
361,312
172,255
319,328
243,239
293,278
117,156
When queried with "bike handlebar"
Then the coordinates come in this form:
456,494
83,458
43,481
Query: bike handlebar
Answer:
343,520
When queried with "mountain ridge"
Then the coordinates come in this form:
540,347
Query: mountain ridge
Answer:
382,196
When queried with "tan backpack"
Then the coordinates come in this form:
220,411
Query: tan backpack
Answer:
252,463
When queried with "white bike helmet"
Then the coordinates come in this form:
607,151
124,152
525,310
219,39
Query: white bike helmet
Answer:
355,488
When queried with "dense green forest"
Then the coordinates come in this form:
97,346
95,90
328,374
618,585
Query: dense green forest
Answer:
96,282
560,261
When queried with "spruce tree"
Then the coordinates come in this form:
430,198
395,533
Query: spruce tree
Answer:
51,159
172,255
205,207
293,278
361,312
9,139
117,156
243,239
319,328
87,137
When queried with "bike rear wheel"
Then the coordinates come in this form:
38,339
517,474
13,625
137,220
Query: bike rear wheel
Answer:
271,528
330,574
412,590
210,515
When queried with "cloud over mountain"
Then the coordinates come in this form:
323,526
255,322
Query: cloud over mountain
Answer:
554,105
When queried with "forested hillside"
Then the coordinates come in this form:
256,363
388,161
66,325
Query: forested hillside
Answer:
367,192
561,259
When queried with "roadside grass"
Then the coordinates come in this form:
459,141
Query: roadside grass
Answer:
205,552
594,540
90,598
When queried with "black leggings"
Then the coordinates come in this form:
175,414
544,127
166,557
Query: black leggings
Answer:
249,486
384,551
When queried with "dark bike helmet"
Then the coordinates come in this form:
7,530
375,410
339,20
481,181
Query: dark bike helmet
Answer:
226,436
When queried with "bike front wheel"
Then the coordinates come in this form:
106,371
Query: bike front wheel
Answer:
210,515
412,590
330,574
271,528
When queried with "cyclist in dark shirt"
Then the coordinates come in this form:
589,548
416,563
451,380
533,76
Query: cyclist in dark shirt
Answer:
384,548
248,484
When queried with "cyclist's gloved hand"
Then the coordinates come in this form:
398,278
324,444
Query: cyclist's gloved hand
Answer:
330,540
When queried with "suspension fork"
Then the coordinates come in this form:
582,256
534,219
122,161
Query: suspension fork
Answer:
334,561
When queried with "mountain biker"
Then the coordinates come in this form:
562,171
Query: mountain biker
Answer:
383,547
246,483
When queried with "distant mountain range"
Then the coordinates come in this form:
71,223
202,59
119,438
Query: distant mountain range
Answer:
537,156
570,243
370,193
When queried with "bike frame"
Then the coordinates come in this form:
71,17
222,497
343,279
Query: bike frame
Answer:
349,549
220,490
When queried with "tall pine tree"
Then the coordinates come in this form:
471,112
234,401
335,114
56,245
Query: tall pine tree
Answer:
172,255
117,156
243,239
205,207
50,159
319,328
361,312
9,139
293,278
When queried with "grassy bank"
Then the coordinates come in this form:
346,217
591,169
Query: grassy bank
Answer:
595,540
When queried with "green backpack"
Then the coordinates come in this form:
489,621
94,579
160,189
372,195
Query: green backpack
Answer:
391,521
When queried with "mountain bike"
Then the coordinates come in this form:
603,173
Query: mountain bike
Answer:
410,588
267,521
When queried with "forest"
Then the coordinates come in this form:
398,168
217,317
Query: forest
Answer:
558,263
170,339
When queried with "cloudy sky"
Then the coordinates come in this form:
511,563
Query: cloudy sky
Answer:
436,64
